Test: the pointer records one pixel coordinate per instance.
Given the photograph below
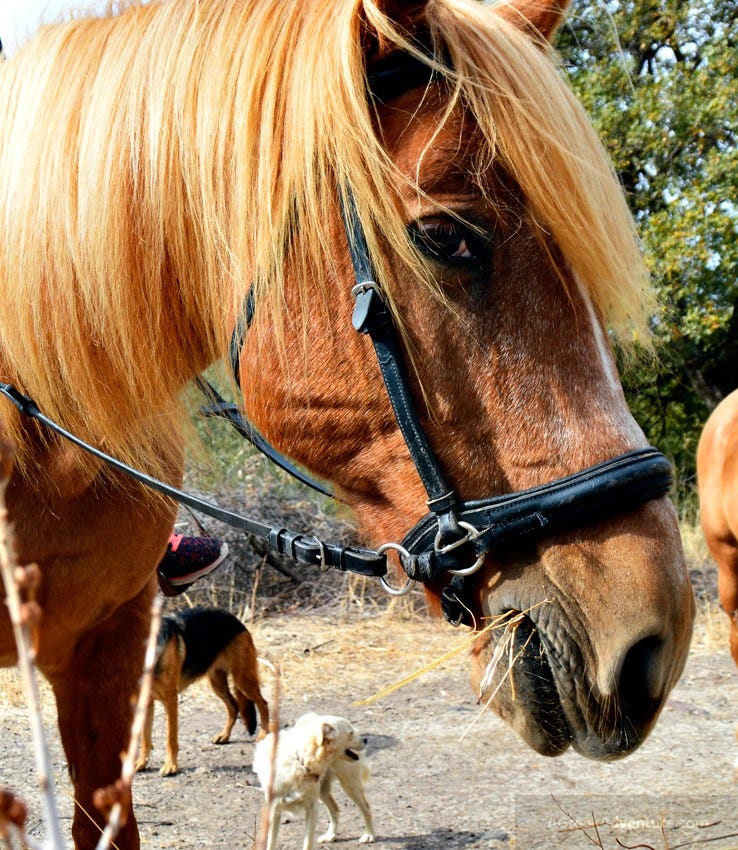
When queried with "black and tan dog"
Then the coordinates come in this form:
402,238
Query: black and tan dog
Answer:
199,642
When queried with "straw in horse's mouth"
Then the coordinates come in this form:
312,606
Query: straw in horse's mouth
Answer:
520,662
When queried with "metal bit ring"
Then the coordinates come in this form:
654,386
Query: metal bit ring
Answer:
394,591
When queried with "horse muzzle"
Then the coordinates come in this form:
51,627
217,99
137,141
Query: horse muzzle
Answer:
565,675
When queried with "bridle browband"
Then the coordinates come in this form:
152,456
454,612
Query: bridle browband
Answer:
451,542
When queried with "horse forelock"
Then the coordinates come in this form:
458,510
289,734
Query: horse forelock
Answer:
191,147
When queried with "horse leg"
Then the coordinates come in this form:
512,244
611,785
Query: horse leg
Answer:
725,553
93,696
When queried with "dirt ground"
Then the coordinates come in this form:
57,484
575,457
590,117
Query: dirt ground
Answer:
442,776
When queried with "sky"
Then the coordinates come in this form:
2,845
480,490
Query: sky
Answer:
20,18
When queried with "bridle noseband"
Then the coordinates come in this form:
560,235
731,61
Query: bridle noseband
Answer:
452,541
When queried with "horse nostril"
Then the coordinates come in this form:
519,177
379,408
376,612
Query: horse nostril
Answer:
640,686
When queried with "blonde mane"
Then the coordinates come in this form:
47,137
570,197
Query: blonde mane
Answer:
155,163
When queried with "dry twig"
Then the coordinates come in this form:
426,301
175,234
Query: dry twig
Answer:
261,841
115,800
25,615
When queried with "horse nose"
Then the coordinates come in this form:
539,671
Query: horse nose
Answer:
640,684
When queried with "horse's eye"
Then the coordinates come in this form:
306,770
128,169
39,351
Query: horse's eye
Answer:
451,242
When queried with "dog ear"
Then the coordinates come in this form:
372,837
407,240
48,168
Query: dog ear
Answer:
329,733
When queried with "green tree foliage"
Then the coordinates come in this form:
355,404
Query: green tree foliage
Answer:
660,80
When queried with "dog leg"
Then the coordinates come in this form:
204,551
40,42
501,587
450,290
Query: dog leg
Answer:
311,823
330,803
146,746
219,683
170,766
275,817
356,793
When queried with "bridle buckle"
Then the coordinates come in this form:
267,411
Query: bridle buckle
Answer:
471,535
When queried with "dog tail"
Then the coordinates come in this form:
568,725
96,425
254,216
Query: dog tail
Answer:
249,716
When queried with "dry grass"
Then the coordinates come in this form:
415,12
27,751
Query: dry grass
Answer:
11,691
711,630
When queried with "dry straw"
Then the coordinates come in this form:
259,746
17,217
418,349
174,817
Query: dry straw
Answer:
509,622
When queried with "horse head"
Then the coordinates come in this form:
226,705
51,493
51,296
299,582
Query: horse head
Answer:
508,261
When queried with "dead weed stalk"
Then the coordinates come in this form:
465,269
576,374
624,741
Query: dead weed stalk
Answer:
21,585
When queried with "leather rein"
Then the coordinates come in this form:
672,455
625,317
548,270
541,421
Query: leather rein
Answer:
451,542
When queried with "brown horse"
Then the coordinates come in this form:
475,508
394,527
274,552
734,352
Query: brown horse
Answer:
717,477
158,165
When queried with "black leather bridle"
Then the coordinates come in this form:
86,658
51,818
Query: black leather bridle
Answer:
451,542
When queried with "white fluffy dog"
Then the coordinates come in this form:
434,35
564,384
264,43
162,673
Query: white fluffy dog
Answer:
309,756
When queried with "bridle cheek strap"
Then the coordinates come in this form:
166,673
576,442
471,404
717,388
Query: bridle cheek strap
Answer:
372,317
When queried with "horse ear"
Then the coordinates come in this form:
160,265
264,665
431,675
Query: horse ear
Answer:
541,18
406,15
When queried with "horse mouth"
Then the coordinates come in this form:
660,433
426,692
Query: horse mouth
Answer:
517,681
539,685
